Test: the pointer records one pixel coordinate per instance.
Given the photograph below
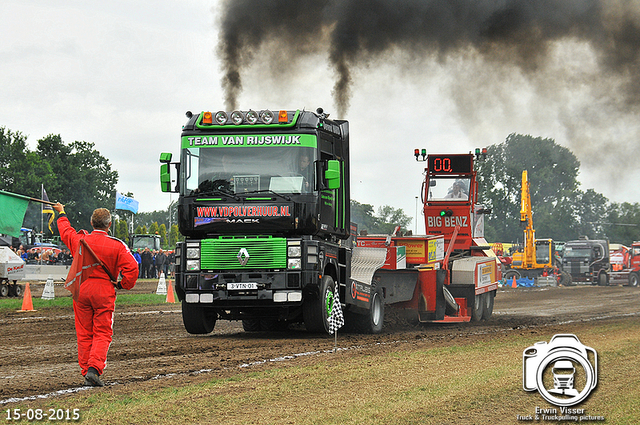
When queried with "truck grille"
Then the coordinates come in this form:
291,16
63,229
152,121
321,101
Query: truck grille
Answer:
259,252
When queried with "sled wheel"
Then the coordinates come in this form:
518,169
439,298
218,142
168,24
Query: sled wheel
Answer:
4,290
488,304
478,308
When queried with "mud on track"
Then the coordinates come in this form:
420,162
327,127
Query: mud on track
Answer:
38,349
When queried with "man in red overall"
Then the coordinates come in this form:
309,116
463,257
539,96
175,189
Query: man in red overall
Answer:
97,297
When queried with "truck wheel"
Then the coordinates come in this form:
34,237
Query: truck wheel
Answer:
197,319
633,279
510,274
251,325
478,308
4,290
565,279
316,311
602,279
488,304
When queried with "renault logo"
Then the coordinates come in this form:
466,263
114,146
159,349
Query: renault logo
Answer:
243,256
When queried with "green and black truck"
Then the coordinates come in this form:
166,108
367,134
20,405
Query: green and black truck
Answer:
264,205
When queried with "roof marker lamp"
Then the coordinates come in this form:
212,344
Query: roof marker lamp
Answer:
252,117
267,116
207,118
283,117
221,117
236,117
481,153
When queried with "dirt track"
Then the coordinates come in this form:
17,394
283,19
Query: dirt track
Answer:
38,349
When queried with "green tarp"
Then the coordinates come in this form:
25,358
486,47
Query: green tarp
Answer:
12,210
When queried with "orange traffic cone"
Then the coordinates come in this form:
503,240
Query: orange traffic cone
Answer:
27,302
514,284
170,296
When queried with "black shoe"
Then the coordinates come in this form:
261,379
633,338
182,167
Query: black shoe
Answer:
92,379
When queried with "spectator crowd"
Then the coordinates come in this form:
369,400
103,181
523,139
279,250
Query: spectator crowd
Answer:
150,262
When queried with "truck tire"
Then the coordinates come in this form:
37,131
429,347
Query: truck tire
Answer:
315,312
4,290
373,320
478,308
633,279
488,304
251,325
510,274
17,290
602,279
198,320
565,279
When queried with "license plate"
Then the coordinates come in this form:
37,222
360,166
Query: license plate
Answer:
241,286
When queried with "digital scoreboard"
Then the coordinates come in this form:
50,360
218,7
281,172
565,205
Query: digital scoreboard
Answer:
450,164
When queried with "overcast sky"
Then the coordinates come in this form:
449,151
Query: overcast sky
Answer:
122,74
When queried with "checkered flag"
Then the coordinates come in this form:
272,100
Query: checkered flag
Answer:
336,320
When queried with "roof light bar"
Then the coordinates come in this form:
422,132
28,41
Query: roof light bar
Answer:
252,117
221,117
267,116
237,118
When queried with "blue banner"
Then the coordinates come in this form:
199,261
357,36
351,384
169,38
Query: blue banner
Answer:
126,203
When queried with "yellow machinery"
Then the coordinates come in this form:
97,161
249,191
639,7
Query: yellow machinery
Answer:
537,254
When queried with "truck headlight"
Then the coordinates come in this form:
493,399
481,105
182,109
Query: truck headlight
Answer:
193,253
294,263
294,251
193,265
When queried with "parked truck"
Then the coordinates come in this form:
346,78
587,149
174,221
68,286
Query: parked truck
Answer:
264,205
625,265
142,241
587,260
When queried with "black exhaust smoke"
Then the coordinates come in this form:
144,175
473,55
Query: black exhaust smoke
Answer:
360,32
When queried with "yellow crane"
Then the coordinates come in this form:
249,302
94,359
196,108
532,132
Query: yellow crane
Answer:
537,254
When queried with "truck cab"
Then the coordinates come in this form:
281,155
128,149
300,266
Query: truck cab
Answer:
587,260
264,206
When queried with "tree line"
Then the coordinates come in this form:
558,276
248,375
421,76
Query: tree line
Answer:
78,175
561,210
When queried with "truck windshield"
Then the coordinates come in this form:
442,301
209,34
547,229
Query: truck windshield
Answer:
244,170
441,189
143,242
571,252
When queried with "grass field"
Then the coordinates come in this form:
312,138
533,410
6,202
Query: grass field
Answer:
61,302
475,381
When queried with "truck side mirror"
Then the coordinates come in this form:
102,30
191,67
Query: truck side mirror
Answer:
165,173
165,178
332,174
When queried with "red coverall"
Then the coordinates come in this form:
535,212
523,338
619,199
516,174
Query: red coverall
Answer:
97,298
